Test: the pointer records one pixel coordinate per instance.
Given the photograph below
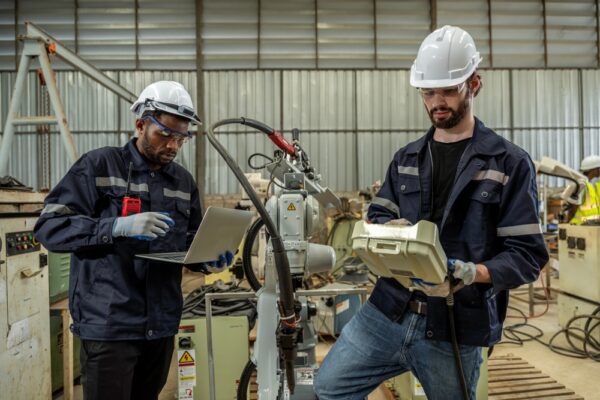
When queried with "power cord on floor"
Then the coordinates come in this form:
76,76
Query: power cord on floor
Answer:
583,344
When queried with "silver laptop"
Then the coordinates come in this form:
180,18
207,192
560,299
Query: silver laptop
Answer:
221,230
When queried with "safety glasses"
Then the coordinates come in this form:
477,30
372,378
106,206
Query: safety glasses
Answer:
451,91
168,133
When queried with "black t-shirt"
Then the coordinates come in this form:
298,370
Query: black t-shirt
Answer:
446,157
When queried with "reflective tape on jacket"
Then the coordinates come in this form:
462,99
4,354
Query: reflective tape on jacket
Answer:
408,170
519,230
177,194
57,208
380,201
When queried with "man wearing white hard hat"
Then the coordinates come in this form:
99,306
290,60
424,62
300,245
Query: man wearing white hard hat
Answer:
115,203
589,211
480,191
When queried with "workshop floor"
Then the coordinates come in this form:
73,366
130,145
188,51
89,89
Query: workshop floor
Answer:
581,376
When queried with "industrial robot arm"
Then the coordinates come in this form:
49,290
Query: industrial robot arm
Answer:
576,181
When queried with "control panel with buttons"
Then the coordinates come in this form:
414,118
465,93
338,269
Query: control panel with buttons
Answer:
20,243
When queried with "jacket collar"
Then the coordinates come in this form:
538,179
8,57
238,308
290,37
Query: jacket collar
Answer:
140,164
484,141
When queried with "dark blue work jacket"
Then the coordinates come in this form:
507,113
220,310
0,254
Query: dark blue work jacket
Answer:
112,294
491,218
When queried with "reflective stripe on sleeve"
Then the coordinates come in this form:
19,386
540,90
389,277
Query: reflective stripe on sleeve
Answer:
380,201
57,208
518,230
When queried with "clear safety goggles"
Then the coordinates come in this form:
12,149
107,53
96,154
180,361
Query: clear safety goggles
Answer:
168,133
450,91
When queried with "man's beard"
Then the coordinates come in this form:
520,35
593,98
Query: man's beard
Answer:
151,154
455,116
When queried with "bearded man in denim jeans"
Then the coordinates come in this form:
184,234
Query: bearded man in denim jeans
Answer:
481,192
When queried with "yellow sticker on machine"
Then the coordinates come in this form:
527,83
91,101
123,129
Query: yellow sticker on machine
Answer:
186,371
185,358
291,207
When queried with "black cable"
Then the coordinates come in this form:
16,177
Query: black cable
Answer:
247,254
588,346
242,390
455,348
272,178
257,155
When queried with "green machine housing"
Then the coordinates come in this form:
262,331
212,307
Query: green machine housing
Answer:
58,277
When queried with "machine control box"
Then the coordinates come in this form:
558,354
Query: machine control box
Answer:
20,243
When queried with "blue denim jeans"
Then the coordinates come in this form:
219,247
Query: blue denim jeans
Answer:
372,348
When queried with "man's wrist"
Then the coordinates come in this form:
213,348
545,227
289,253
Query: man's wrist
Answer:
482,274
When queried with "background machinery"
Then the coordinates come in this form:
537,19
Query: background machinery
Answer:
24,304
579,261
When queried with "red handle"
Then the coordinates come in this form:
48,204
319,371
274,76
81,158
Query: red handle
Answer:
279,140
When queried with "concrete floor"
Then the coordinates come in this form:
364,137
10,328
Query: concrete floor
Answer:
581,376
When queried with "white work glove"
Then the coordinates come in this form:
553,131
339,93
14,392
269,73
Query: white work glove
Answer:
219,265
401,222
143,226
463,271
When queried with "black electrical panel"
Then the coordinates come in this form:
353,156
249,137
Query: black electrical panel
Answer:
562,234
21,243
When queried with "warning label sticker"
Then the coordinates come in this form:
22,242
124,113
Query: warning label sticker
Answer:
418,389
342,306
305,376
186,372
186,357
291,207
186,393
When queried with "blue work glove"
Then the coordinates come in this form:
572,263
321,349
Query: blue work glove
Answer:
219,265
143,226
465,271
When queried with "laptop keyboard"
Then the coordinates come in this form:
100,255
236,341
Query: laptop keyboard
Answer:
177,256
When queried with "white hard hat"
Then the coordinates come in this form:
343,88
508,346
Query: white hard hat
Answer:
590,162
447,57
167,96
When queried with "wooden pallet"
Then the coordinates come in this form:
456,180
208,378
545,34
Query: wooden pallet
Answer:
511,378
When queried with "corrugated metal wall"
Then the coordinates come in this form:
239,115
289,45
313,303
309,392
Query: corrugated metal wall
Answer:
351,121
336,69
294,34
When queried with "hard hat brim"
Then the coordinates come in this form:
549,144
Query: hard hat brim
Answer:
180,111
